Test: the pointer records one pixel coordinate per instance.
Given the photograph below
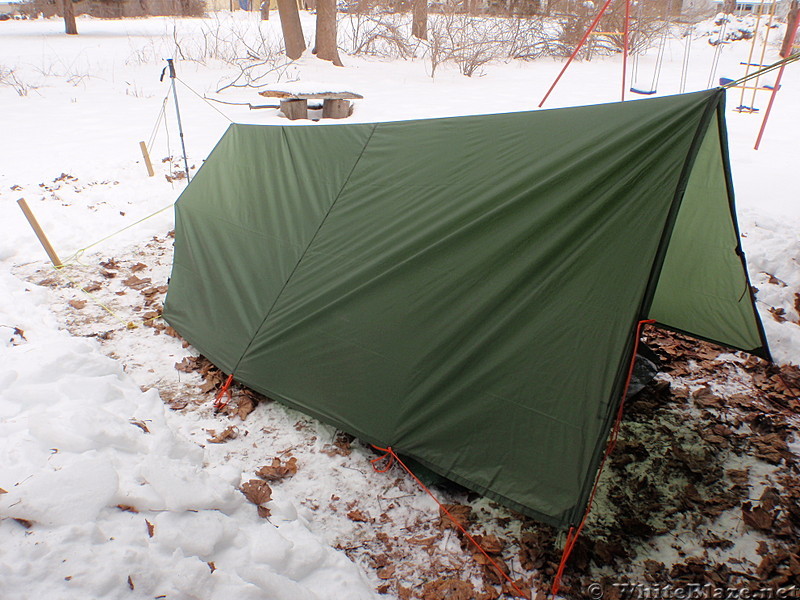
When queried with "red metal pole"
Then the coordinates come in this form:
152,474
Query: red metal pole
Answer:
775,89
577,49
769,106
625,46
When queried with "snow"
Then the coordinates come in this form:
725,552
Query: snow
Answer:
73,453
117,496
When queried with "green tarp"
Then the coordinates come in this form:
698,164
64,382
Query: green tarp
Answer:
465,290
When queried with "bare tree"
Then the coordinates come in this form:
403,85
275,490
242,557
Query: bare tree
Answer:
791,21
419,19
326,48
293,38
69,17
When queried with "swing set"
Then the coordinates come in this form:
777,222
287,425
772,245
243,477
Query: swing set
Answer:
629,36
648,86
748,83
750,65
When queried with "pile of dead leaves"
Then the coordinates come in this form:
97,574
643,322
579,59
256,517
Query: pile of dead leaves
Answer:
245,399
669,473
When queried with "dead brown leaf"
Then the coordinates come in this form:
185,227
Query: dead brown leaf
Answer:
770,447
794,564
423,541
111,263
706,398
140,424
138,267
178,175
229,433
151,529
740,476
246,403
137,284
490,543
769,499
152,291
130,582
460,515
77,304
778,314
448,589
208,386
386,572
358,516
127,508
774,280
190,364
278,470
258,492
756,517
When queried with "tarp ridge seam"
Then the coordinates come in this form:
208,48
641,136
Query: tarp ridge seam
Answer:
308,246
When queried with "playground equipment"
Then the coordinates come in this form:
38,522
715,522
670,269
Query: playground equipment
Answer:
755,58
586,37
662,44
788,55
626,46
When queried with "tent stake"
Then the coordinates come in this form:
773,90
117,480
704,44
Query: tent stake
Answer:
146,156
37,229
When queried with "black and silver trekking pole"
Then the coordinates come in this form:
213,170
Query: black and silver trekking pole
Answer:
171,67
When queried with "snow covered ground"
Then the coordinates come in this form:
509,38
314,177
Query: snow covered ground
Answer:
104,491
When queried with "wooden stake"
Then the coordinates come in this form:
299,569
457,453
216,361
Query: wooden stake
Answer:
146,156
40,233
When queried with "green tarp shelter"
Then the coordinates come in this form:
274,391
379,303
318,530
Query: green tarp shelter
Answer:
465,290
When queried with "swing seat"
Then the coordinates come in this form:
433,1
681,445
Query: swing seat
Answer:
643,92
747,109
725,81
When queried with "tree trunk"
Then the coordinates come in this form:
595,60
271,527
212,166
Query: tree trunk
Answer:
729,6
293,38
419,20
69,17
791,29
326,48
265,10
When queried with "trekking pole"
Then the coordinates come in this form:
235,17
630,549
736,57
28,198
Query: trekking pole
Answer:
171,67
